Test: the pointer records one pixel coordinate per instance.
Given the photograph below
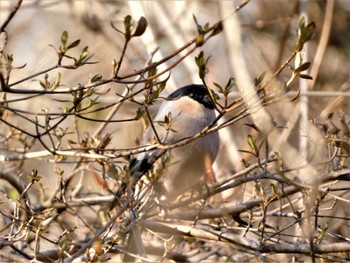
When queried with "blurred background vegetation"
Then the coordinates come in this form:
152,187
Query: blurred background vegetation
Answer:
257,38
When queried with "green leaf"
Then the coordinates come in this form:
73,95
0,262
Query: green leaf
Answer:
96,77
57,81
112,171
302,23
64,39
253,126
305,33
304,76
152,71
200,59
139,113
218,27
252,144
201,62
11,193
34,176
167,118
221,89
302,67
58,78
251,141
84,53
227,89
261,93
74,44
230,83
9,58
141,27
152,97
87,60
127,26
83,58
274,188
201,32
127,21
42,84
258,80
199,27
155,93
45,83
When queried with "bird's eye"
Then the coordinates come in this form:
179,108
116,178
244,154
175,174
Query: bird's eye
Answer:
192,95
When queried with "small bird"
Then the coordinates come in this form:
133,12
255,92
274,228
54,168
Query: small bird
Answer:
190,110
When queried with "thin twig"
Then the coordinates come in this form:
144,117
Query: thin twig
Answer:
11,16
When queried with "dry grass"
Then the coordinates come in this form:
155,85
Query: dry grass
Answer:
69,126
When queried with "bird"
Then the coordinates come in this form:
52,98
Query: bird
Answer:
189,110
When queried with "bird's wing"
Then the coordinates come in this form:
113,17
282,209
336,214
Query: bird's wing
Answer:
142,162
